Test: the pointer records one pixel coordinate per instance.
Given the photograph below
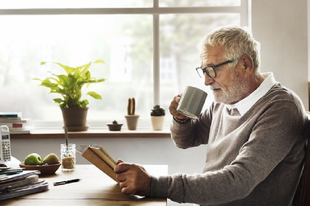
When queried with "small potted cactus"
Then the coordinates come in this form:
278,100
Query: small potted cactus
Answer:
115,126
131,117
157,117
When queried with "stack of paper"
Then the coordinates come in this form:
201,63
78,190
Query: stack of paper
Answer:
20,183
99,157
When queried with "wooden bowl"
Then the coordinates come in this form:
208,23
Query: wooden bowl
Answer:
44,169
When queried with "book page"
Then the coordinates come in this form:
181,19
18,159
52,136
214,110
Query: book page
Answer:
101,152
96,160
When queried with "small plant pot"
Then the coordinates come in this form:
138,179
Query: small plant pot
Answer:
157,122
115,127
132,121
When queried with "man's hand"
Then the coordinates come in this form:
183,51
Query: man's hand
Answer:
173,107
133,179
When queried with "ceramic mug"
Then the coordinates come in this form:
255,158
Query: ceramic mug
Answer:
191,102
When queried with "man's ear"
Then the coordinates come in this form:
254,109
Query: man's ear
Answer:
247,64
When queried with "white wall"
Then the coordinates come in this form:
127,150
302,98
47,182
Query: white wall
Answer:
282,28
160,151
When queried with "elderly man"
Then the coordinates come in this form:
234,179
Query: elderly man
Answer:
255,132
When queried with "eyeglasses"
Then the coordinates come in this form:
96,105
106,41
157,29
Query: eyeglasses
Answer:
210,70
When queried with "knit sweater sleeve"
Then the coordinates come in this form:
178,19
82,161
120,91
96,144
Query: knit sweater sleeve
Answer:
194,132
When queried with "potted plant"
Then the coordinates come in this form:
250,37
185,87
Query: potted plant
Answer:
69,85
131,117
115,126
157,117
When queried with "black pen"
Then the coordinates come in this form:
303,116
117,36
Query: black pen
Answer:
66,182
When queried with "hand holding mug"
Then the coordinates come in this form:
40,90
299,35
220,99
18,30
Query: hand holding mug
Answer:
173,107
191,102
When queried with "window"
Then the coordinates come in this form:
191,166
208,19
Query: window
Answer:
149,48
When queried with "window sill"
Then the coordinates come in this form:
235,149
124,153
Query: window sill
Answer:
92,133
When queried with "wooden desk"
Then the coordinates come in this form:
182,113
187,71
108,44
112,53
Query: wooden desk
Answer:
95,188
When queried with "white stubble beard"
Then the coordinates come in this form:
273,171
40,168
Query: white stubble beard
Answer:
237,90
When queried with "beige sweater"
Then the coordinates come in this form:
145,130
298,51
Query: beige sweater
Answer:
254,159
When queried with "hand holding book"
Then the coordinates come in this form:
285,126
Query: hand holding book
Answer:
133,179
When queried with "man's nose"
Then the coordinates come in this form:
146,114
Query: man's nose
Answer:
208,80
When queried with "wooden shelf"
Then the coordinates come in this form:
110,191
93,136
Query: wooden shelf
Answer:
92,133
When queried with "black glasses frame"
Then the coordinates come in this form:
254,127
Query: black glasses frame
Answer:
206,70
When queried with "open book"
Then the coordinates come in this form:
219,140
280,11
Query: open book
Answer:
99,157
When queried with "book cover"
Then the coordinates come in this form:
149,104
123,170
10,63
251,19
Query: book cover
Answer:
20,131
22,183
19,183
23,190
12,120
18,176
9,115
99,157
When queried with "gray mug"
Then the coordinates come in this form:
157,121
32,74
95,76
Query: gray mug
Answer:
191,102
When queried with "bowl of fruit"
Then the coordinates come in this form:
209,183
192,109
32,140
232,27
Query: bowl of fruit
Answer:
47,166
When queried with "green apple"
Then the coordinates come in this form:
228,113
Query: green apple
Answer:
33,159
50,159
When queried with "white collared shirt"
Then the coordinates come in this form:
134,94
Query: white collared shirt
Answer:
245,104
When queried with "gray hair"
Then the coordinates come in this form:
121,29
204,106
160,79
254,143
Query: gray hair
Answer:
237,41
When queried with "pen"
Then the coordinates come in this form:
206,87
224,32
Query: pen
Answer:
66,182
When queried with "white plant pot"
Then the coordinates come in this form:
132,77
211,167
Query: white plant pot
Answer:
157,122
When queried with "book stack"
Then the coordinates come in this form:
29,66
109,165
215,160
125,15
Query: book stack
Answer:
16,182
99,157
15,122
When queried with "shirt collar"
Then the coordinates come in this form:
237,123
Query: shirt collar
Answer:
245,104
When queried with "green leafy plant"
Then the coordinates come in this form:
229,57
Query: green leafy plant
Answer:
70,84
157,111
114,122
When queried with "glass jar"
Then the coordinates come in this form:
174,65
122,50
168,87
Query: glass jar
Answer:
68,157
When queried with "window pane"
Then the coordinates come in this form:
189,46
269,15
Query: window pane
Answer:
191,3
124,42
22,4
179,53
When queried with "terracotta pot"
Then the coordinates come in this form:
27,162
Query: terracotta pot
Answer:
157,122
132,121
75,118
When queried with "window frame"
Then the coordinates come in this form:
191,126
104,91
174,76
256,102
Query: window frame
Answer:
156,11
